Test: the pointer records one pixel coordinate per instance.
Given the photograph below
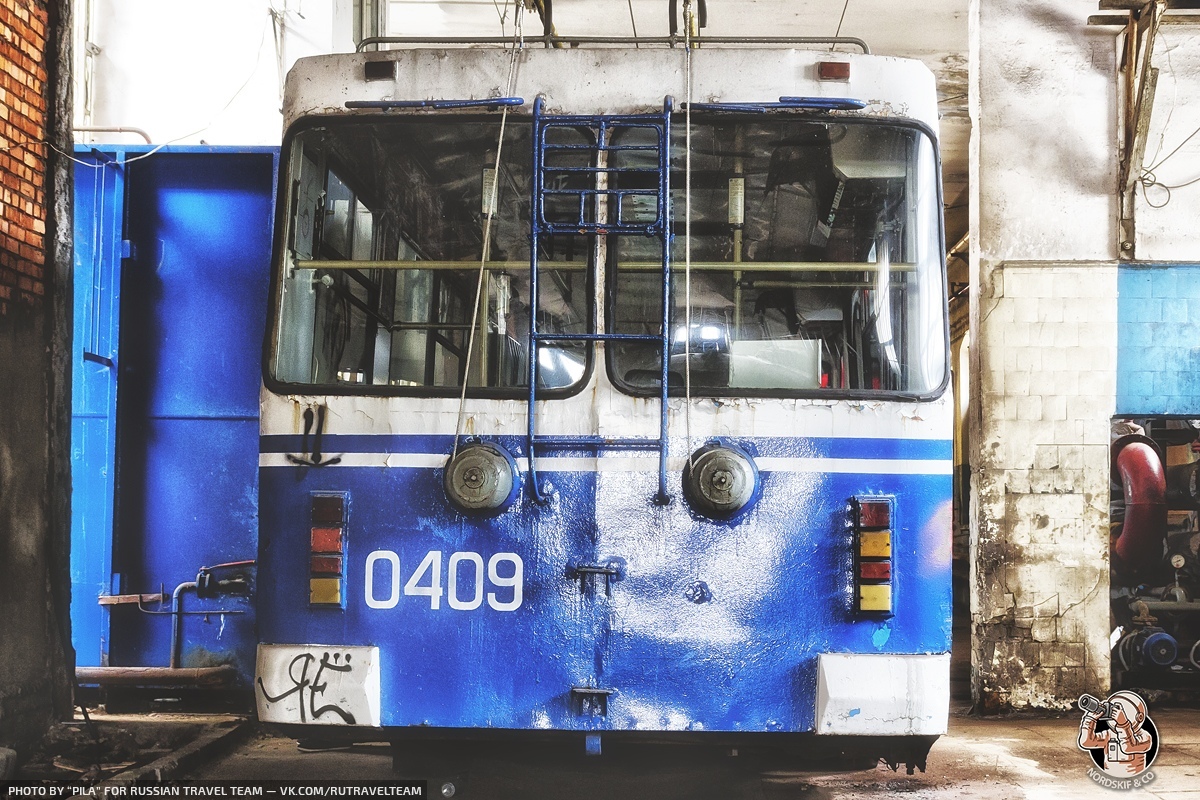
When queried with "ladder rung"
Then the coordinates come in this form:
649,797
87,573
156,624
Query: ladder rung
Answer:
609,170
608,148
597,337
552,228
591,192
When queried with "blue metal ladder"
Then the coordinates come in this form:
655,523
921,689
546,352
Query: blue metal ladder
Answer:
616,199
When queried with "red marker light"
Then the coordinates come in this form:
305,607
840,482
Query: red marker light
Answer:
873,515
326,565
875,570
833,70
327,540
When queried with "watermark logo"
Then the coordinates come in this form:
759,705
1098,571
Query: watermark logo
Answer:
1121,739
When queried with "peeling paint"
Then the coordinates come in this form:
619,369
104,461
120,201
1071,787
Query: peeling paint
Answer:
880,637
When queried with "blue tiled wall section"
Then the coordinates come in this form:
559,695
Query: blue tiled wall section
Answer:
1158,340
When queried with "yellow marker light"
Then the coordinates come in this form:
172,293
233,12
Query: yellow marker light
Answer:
325,591
875,598
875,544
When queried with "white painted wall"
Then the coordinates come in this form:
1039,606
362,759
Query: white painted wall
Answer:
188,72
1169,232
174,68
1043,325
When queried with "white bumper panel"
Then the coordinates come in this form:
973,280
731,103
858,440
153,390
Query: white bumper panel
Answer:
883,695
317,685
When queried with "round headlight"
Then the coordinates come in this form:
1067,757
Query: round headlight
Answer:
720,480
481,477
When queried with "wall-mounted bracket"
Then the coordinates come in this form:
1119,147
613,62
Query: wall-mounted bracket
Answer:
1140,22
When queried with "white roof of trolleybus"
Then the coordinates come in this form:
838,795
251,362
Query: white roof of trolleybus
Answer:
610,81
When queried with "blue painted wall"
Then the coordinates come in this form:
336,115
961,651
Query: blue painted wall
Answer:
166,449
1158,340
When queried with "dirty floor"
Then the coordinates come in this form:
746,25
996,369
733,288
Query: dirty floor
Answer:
1019,757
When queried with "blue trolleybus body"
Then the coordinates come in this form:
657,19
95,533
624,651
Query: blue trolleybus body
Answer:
762,549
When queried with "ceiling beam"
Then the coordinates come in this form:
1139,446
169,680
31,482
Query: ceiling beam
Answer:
1138,5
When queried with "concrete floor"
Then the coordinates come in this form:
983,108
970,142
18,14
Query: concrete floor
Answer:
993,759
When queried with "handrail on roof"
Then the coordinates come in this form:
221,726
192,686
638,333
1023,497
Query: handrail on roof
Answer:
670,41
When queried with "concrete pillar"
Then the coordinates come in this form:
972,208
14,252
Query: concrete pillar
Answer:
35,301
1043,351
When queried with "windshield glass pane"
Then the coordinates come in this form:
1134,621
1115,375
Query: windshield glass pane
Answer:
385,234
816,263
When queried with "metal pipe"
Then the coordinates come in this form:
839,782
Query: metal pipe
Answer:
670,41
1173,607
177,606
628,266
1139,470
156,676
111,129
177,619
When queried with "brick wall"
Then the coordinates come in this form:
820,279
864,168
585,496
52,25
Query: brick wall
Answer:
23,105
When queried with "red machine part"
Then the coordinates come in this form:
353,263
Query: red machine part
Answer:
1138,467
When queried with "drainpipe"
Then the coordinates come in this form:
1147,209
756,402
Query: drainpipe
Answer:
1138,468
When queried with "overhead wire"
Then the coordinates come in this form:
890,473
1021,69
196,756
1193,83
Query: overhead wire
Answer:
840,21
518,45
503,14
687,230
1148,179
1168,156
1174,90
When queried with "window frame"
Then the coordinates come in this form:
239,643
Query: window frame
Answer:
283,230
611,277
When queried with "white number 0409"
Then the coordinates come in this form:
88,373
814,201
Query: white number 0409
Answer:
426,580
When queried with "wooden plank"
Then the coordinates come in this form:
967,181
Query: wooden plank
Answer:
156,676
123,599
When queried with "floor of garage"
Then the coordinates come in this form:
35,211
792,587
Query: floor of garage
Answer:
1021,756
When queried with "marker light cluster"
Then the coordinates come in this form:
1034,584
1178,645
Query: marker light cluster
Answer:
872,522
327,557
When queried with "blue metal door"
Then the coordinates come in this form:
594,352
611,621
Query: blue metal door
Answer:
99,243
181,419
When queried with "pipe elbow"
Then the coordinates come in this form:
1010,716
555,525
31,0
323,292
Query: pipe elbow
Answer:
1139,469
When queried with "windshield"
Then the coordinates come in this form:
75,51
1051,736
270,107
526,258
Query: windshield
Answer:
815,263
816,260
381,266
